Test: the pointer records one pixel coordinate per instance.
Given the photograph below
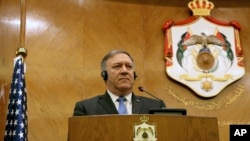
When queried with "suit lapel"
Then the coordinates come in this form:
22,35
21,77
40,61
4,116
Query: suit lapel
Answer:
137,104
106,102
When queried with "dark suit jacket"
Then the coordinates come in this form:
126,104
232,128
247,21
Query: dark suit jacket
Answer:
102,104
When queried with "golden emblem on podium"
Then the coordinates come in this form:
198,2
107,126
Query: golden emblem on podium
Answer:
144,131
202,52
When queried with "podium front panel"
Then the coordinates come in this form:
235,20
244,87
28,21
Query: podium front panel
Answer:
131,128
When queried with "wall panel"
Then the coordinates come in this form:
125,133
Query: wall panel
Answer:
67,39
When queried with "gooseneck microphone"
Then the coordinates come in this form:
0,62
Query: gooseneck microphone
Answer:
143,90
163,110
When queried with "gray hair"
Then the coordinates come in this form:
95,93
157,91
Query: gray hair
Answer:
111,54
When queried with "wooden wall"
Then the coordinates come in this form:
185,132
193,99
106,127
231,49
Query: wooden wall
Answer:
66,40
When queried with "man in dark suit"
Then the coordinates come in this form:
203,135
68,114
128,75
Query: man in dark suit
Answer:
119,76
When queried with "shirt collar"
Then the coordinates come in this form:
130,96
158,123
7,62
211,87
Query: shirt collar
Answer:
115,97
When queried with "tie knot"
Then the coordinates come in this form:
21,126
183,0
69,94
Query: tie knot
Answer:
121,99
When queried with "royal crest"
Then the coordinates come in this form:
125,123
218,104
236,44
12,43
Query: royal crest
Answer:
202,52
144,131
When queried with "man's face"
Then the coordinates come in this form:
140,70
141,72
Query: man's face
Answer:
120,71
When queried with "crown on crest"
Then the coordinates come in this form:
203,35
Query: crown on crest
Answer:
201,7
144,119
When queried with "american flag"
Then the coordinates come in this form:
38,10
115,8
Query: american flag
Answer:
17,123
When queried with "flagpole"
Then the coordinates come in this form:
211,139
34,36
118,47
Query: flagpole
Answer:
21,50
16,128
22,23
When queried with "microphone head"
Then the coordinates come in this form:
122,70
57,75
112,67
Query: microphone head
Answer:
141,88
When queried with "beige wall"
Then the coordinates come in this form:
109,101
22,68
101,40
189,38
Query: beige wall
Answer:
66,40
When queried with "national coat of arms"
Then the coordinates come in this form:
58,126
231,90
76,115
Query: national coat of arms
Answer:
202,52
144,131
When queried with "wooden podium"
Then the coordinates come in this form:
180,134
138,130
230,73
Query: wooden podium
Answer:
122,128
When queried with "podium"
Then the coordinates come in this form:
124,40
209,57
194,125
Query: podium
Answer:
127,127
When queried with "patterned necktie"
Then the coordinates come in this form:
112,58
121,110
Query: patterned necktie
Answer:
122,107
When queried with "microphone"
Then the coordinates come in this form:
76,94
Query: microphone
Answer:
152,110
163,110
143,90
